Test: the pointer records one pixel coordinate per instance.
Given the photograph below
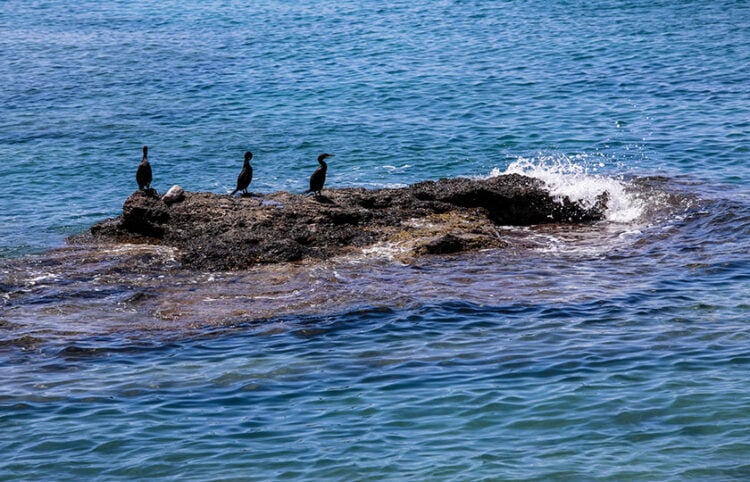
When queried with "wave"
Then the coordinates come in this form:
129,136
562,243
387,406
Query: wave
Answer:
573,178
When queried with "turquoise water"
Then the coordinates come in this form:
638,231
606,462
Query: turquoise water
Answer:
615,351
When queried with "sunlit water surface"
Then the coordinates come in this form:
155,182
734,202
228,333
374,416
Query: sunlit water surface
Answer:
617,350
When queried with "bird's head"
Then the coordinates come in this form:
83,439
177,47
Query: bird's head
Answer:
248,155
145,151
324,156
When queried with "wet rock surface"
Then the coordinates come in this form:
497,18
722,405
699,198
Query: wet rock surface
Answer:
216,231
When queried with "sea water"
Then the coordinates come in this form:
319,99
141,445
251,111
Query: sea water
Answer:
617,350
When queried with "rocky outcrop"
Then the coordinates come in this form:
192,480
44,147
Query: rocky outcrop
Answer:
214,231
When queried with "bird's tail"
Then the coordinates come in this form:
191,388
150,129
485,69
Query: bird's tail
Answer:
234,192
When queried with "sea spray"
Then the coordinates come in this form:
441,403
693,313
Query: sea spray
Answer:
571,177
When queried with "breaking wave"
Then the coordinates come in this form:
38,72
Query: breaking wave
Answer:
575,179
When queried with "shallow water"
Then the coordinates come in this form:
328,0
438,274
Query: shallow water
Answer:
611,351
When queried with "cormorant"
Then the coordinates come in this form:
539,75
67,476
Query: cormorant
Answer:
318,177
246,175
143,175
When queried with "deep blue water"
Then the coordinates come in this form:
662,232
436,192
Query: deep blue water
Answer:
617,351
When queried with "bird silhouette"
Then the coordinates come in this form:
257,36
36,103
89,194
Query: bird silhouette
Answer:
143,174
318,177
246,175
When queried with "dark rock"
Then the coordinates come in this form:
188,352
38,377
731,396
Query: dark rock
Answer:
213,231
510,200
449,243
144,214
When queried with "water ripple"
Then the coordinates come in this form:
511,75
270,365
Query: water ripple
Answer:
612,351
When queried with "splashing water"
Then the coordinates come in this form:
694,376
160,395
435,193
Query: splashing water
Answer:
570,177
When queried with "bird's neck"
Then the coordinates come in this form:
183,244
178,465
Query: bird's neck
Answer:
323,164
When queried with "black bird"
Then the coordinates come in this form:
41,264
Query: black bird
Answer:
318,177
143,175
246,175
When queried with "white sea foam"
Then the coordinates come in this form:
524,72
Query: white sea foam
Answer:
40,278
570,177
388,250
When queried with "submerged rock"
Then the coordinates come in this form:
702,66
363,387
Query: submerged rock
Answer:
213,231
